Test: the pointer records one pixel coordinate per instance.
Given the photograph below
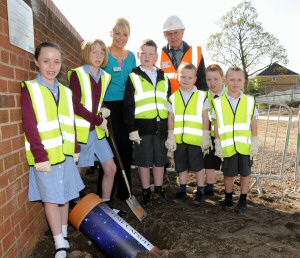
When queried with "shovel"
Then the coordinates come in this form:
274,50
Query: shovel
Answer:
132,202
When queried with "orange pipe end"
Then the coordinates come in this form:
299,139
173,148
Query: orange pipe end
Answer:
83,208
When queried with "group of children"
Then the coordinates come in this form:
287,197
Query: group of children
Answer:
64,126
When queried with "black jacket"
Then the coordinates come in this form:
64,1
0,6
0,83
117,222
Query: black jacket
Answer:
201,79
144,126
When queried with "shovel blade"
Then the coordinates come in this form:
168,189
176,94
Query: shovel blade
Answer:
136,208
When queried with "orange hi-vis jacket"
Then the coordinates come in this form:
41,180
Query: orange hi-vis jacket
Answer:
188,57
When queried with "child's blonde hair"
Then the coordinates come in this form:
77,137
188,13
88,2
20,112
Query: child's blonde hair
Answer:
214,68
188,66
86,47
234,69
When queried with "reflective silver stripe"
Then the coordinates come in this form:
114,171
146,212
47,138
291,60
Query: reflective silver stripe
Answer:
144,95
191,118
227,142
66,120
70,105
39,101
82,123
48,126
161,94
48,144
161,106
225,129
68,136
137,83
243,139
144,108
87,88
188,130
195,56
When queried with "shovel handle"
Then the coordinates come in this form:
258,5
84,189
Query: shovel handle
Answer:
118,157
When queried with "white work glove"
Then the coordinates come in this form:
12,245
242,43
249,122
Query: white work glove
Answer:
134,136
105,112
44,166
171,141
104,126
76,157
206,142
254,146
218,149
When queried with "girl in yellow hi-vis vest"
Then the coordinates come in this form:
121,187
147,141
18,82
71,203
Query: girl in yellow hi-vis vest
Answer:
50,142
89,84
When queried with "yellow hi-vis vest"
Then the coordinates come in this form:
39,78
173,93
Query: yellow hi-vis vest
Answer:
82,125
188,122
55,122
150,101
211,101
235,128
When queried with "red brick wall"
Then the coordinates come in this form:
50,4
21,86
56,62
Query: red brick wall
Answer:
22,222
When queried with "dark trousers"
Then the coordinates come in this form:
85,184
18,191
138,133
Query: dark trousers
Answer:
124,145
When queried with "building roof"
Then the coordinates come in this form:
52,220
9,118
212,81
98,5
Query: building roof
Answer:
276,69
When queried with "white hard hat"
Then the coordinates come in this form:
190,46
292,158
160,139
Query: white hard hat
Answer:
173,23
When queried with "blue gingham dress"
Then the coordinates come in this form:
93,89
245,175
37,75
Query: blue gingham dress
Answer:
62,184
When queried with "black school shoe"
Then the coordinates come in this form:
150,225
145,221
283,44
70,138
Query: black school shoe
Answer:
180,197
121,213
241,206
146,199
226,203
198,198
160,197
209,190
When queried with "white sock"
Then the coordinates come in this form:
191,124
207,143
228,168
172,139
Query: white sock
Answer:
64,229
59,242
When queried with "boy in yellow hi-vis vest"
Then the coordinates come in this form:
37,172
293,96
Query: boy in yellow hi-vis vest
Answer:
236,136
188,133
146,116
215,82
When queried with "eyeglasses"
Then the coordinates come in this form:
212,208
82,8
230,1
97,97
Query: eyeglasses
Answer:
175,33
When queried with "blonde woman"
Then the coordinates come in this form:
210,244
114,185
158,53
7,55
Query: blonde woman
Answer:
120,63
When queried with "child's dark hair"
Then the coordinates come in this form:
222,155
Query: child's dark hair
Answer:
45,44
149,43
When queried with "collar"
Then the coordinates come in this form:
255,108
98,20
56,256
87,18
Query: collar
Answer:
41,80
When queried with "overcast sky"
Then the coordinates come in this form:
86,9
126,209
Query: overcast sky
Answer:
95,18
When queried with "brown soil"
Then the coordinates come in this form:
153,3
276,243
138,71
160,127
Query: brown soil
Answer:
269,228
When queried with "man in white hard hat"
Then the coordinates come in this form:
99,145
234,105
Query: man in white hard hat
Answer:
178,51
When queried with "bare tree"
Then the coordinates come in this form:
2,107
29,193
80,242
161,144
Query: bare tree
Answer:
243,42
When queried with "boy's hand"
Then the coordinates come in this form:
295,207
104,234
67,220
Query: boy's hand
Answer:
43,166
105,112
254,146
218,149
171,141
134,136
104,126
206,142
76,157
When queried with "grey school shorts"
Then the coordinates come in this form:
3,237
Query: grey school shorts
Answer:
151,151
188,157
237,164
